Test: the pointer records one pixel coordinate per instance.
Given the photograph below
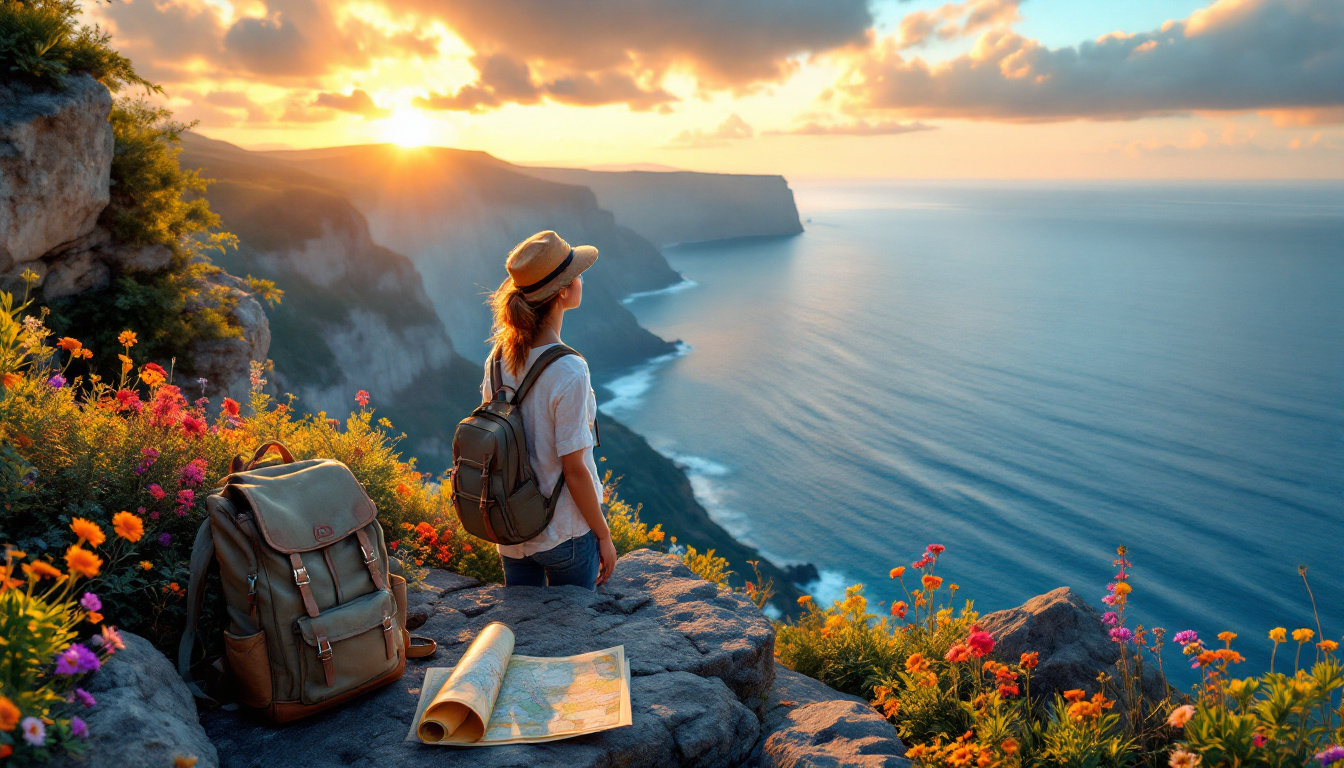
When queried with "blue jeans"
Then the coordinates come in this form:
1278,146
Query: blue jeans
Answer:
572,562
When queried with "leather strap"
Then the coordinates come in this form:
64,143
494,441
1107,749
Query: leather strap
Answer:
279,447
370,559
485,502
325,654
496,375
389,633
202,555
301,579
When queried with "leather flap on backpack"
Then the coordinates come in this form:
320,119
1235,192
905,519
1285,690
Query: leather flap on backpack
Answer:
302,506
345,621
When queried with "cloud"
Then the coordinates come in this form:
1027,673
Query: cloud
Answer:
503,79
856,128
1234,55
288,40
955,20
357,101
619,51
731,129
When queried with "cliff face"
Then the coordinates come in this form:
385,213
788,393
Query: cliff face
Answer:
683,206
355,314
457,214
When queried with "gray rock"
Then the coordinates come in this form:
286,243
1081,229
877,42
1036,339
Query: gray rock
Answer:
225,363
807,724
145,715
1067,632
701,662
55,166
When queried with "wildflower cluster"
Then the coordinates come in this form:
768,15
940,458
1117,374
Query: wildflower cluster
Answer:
43,615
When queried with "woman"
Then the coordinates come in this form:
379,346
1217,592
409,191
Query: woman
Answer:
559,414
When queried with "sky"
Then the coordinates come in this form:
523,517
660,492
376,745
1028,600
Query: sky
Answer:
1034,89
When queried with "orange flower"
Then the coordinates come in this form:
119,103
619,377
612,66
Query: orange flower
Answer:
1180,716
128,526
95,617
958,653
1074,695
9,714
69,344
126,363
898,572
145,565
39,569
11,380
1227,637
916,751
88,531
1009,746
929,680
916,663
899,609
1329,646
1030,660
804,600
403,490
126,338
181,761
83,562
932,582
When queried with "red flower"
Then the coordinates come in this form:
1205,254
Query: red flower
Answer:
128,400
936,549
1030,660
1008,689
229,406
981,643
192,426
362,398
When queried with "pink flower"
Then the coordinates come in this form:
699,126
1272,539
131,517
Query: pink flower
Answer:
362,398
186,499
1180,716
981,643
1109,617
192,474
156,491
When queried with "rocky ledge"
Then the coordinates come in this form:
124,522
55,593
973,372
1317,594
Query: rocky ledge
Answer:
705,688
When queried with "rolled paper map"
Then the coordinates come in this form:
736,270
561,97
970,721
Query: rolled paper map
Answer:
460,710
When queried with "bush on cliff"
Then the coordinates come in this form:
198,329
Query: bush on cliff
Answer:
41,41
932,671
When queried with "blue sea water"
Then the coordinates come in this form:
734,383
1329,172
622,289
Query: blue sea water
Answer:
1029,374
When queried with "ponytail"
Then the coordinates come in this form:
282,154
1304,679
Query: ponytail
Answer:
517,323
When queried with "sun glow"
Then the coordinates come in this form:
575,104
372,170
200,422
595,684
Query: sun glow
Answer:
408,127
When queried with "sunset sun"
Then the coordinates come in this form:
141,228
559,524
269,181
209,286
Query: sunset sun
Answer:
408,127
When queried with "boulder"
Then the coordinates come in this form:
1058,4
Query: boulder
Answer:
145,716
225,364
807,724
1074,646
701,662
55,166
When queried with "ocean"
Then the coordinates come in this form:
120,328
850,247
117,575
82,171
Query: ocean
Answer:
1029,374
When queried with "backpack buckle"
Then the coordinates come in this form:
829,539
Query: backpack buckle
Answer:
387,623
301,579
323,648
369,557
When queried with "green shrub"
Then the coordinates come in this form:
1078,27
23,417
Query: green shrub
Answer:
41,41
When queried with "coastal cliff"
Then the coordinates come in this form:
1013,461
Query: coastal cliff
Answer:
669,207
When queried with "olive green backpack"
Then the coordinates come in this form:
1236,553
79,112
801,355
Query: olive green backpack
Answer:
315,614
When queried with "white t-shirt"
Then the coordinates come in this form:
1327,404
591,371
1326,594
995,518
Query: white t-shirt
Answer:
559,417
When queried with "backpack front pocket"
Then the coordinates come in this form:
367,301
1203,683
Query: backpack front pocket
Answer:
347,646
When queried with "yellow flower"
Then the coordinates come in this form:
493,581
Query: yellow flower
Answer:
9,714
129,527
126,339
1329,646
1227,637
88,531
1278,634
83,562
1303,635
146,565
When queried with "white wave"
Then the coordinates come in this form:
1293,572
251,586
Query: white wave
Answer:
829,587
627,392
685,283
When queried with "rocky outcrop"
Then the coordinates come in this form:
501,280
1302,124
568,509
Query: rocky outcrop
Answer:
1067,632
683,206
808,724
225,364
55,167
144,715
701,663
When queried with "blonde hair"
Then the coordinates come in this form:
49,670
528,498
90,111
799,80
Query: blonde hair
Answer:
517,323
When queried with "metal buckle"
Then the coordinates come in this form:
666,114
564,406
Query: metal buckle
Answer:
323,653
369,557
301,577
387,623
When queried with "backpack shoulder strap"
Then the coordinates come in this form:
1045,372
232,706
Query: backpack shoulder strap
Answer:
496,372
202,556
538,367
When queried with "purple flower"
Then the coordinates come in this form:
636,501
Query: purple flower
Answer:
1109,617
186,499
83,697
90,602
1332,755
76,659
56,382
1121,634
78,728
1186,637
192,474
165,539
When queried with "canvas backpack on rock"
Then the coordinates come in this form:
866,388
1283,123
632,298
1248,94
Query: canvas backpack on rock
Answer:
315,613
493,486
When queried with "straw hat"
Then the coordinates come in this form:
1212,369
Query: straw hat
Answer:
544,263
